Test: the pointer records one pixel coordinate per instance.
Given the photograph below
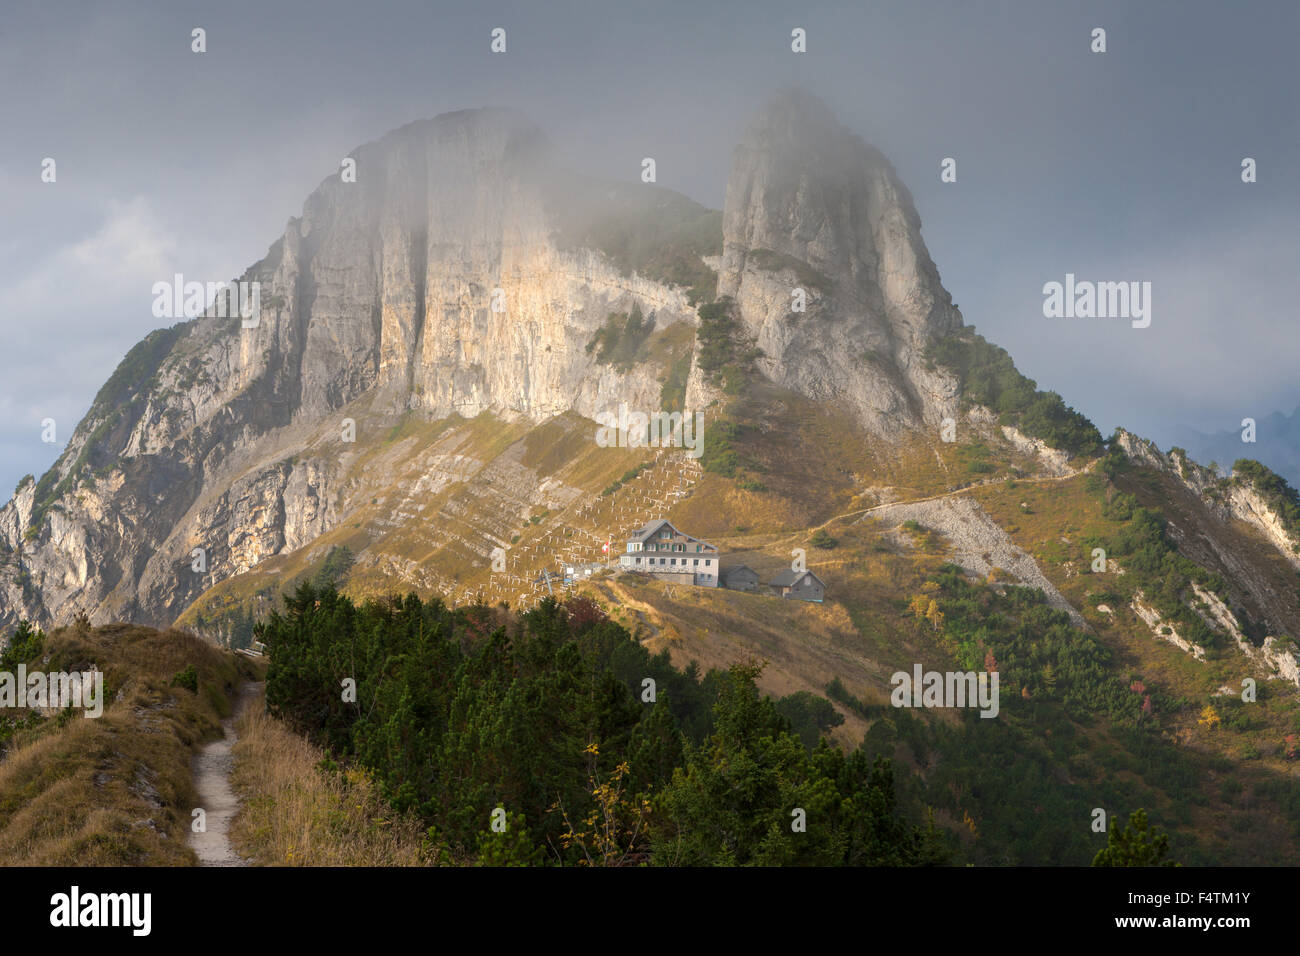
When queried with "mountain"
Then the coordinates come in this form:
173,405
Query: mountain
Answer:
377,306
422,407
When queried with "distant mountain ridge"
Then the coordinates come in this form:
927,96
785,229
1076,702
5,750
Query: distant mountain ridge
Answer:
1277,444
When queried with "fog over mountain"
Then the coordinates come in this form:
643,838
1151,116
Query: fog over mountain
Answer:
466,272
1010,90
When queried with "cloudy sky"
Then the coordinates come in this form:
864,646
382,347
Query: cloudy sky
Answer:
1117,166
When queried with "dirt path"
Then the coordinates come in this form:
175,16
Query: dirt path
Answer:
212,768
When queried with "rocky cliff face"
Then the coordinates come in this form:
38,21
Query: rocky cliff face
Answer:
810,206
378,303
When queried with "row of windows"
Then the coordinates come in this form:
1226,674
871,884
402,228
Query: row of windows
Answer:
699,548
694,561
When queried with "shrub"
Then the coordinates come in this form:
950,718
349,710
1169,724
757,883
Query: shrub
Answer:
619,340
187,678
24,644
821,539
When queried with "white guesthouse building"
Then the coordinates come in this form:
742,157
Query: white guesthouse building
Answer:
660,549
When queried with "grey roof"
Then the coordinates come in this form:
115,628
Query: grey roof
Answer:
788,578
643,532
646,530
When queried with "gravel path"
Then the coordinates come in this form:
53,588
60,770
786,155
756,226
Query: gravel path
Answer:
212,769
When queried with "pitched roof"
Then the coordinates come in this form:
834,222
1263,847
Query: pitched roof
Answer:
643,532
647,530
728,572
788,578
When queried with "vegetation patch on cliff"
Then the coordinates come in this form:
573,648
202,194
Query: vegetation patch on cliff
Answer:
724,354
618,342
805,275
655,233
989,377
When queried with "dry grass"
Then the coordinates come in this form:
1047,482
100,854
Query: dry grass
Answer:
295,814
115,790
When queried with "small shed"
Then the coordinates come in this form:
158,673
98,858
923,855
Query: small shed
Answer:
799,586
740,578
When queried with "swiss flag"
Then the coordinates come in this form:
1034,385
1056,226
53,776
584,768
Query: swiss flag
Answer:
605,547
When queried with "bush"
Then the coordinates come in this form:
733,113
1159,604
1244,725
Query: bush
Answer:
836,691
821,539
810,716
24,644
188,678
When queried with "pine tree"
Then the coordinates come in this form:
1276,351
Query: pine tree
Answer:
1135,845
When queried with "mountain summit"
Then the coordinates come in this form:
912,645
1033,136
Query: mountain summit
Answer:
808,201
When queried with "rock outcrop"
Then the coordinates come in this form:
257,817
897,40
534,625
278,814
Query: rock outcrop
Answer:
810,206
1229,498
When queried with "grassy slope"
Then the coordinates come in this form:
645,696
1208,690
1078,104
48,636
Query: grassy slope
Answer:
1053,527
115,790
295,812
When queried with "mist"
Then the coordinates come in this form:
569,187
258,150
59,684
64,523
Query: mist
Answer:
1124,165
